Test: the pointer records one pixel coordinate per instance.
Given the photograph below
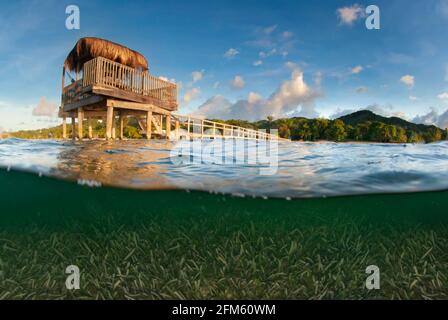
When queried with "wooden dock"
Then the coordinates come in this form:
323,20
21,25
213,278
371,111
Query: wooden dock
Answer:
112,91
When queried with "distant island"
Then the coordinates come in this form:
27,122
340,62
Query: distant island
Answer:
360,126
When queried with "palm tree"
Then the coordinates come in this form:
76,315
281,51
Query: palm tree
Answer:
270,119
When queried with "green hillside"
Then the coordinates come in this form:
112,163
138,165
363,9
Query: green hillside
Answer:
358,126
364,116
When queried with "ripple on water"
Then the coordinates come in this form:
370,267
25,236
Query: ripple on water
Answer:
304,169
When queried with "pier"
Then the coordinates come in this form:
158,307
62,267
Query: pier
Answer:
113,82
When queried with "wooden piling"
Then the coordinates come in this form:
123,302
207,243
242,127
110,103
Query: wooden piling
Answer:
114,128
161,123
168,126
188,128
63,78
202,129
89,123
109,120
64,128
80,121
177,130
73,129
121,119
148,125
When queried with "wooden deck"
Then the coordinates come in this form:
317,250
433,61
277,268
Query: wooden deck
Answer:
111,91
105,78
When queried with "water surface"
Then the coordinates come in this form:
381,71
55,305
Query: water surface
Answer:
303,169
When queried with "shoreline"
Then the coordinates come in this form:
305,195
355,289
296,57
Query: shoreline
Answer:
163,139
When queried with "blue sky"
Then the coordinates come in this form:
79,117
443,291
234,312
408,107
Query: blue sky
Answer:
244,59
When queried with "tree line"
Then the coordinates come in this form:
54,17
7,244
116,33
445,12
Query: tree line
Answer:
337,130
355,128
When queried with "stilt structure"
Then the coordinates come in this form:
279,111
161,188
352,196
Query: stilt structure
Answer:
112,81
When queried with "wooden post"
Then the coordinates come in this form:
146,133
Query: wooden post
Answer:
64,128
80,120
109,120
168,126
114,127
73,128
161,123
148,125
121,126
63,85
202,129
177,129
63,77
188,128
89,123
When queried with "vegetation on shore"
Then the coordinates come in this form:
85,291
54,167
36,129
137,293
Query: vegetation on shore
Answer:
359,126
131,131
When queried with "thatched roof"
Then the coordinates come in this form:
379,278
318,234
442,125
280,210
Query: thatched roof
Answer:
89,48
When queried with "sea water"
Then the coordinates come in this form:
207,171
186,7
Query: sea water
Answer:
301,169
141,225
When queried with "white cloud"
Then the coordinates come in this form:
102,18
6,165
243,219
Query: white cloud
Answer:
15,115
357,69
293,98
349,15
45,108
191,94
287,35
318,78
270,29
197,76
433,118
216,107
231,53
428,118
412,98
291,65
362,89
442,8
238,82
167,80
254,97
443,96
216,85
270,53
400,58
408,81
258,63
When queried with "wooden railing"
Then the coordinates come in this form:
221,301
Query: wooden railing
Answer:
101,71
195,128
107,73
73,92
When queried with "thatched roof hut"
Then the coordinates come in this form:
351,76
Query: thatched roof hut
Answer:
89,48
